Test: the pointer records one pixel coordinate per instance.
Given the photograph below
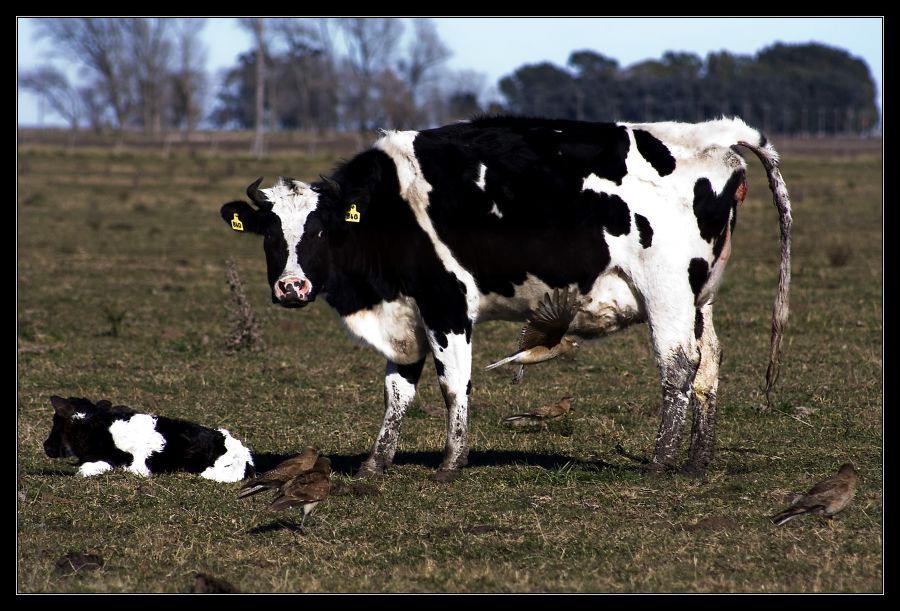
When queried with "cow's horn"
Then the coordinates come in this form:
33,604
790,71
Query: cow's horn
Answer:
255,196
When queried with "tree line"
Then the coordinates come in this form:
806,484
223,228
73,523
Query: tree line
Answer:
354,74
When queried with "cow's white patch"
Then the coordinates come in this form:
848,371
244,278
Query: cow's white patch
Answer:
393,328
456,359
415,189
496,211
482,170
230,466
79,416
598,185
292,203
94,468
138,436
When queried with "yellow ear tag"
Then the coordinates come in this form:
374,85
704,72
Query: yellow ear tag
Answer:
352,214
236,223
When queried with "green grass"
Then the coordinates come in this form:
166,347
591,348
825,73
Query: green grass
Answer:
122,295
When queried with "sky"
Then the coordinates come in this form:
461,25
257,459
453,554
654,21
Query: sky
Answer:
497,46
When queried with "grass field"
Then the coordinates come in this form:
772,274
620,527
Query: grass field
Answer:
122,295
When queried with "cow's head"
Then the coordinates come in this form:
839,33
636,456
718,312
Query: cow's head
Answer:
76,428
293,237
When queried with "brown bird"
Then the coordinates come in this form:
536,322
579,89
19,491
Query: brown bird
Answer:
826,498
305,490
544,335
275,478
544,413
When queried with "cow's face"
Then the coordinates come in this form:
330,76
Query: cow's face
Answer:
294,238
74,427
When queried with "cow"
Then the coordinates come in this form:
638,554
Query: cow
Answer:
427,232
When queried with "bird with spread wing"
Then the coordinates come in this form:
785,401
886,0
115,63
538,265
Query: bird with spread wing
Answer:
544,335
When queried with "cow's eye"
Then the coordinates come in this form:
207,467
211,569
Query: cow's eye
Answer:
321,231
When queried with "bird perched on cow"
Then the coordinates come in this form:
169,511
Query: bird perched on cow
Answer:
300,481
826,498
544,335
542,414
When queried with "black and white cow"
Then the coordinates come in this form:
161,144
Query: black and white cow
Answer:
426,233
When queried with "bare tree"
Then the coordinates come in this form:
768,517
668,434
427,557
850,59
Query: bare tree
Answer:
54,88
372,43
149,56
256,26
98,44
189,78
426,52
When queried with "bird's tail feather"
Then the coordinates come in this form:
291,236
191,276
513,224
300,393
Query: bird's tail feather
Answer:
502,361
251,488
790,514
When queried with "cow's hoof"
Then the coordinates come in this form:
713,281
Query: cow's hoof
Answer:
444,476
368,471
692,469
655,469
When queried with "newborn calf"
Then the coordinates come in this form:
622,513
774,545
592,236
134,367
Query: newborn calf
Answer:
102,437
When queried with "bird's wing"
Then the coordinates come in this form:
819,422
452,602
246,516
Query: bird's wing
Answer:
827,488
549,321
276,476
305,488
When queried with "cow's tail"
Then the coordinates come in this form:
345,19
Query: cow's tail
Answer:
769,158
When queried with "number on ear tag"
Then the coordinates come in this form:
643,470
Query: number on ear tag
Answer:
352,214
236,223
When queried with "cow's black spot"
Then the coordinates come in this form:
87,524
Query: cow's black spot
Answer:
189,447
698,323
469,387
655,152
439,367
763,141
698,272
412,372
645,231
712,210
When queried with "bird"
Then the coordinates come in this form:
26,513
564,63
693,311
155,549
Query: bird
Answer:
305,490
826,498
544,335
275,478
544,413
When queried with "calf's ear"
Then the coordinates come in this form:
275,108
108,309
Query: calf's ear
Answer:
240,216
63,408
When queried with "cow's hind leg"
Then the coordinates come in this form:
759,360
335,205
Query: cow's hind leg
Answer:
672,328
399,391
703,401
453,362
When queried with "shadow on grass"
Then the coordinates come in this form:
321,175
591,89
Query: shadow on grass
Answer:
348,464
276,526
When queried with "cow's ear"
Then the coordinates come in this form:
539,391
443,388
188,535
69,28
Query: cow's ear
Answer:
63,408
240,216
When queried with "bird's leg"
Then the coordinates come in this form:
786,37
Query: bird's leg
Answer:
520,372
399,391
703,398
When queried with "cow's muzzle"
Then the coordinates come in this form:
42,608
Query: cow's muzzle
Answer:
293,292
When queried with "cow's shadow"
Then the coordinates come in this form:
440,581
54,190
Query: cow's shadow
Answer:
348,464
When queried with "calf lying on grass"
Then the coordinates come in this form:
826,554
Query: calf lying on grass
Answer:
102,437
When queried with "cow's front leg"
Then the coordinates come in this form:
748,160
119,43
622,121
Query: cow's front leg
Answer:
453,362
672,328
399,391
703,401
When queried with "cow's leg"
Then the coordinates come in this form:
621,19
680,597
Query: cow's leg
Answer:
703,401
453,362
399,390
671,319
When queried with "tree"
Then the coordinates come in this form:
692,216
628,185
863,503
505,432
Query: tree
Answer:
188,80
256,25
53,87
99,45
372,43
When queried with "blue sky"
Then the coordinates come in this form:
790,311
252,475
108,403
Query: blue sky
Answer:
497,46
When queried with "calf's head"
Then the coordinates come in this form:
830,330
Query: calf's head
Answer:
75,428
293,237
